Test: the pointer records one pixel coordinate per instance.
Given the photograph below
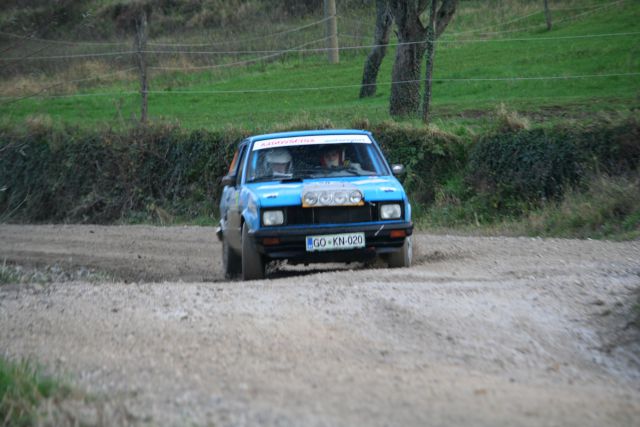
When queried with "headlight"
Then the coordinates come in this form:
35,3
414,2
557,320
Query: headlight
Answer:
270,218
390,211
355,197
325,198
310,198
340,198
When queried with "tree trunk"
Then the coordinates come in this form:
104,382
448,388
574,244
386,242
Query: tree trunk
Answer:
381,40
405,90
405,77
431,49
547,14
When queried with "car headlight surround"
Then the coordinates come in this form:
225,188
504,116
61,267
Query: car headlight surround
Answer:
390,211
272,217
340,197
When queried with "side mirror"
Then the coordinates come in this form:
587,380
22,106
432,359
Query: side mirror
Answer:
397,169
229,180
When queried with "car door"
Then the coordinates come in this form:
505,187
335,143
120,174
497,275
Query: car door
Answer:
230,209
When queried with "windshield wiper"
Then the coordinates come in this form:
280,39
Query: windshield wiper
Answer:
285,179
292,179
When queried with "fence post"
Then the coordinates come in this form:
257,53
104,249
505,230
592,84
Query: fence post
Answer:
141,47
332,31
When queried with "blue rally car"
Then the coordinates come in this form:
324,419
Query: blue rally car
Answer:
312,196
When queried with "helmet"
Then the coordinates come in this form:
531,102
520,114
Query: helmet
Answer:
278,155
279,161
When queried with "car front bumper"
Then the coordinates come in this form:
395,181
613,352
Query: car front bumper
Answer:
289,242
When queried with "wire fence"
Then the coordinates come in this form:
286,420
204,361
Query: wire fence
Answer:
302,49
55,57
347,86
186,49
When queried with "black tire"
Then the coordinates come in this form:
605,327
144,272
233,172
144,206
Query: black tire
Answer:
252,261
231,262
403,257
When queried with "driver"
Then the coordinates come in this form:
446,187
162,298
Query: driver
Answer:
332,157
279,161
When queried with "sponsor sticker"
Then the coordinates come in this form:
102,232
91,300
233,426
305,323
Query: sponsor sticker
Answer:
311,140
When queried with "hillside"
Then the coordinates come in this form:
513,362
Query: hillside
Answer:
223,74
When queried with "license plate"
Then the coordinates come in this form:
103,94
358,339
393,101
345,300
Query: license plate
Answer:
333,242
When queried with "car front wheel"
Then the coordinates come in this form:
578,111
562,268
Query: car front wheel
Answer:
252,261
403,257
231,262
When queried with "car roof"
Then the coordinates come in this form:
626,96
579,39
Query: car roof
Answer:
308,133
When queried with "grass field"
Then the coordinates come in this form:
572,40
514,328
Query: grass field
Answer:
589,63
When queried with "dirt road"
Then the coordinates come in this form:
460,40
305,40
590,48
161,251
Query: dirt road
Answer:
481,331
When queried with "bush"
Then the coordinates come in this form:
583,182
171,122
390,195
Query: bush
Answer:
519,170
611,148
428,155
101,177
526,166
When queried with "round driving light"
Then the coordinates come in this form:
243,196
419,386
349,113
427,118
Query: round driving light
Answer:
355,197
325,198
310,198
340,198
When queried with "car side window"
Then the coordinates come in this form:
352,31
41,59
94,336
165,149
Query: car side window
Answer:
241,156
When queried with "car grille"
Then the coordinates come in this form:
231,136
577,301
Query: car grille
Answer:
297,215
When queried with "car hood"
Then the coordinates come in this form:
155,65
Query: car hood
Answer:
374,189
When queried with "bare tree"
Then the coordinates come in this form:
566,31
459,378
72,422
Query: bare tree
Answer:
412,37
380,41
547,14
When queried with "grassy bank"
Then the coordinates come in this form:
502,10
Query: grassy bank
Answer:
23,390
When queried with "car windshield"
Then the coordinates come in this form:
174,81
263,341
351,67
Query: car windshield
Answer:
296,162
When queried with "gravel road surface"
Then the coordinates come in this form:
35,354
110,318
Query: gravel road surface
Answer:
481,332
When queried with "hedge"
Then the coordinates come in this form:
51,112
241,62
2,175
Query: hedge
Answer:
104,176
73,175
527,167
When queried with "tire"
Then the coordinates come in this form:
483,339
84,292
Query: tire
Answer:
403,257
231,262
252,261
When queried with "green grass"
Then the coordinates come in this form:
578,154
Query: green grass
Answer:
609,207
22,389
455,102
605,207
